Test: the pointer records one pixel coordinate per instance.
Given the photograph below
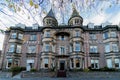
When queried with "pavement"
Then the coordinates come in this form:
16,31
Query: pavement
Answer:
46,78
18,77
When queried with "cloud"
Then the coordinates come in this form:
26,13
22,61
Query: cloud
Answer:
115,19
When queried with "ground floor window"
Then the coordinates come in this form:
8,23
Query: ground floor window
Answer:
117,63
46,63
94,64
9,63
16,63
109,63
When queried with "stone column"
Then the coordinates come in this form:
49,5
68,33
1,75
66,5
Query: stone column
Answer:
81,62
74,60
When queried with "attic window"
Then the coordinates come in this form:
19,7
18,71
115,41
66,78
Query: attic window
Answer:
76,21
49,21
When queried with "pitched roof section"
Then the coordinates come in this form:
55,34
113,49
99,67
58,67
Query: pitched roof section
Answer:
50,14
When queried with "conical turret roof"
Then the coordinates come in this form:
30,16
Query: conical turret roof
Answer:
50,14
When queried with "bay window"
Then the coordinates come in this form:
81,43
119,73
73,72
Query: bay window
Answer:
12,48
13,35
77,46
31,49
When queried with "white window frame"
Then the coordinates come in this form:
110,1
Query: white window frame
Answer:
18,49
62,50
115,47
13,35
107,48
31,49
113,34
33,37
109,63
94,62
77,46
94,49
20,36
11,48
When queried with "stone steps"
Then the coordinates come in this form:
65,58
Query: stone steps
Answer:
61,73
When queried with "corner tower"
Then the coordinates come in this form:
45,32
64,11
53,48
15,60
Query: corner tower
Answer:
50,19
75,19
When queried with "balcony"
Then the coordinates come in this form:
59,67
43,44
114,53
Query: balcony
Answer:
94,54
109,39
14,54
30,54
47,53
45,39
62,55
76,38
15,40
112,53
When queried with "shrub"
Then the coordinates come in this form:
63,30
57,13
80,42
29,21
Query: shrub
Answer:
15,69
23,68
33,70
86,70
107,69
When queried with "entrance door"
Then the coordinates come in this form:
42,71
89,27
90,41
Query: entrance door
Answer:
62,65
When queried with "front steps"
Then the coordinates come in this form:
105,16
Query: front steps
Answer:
61,73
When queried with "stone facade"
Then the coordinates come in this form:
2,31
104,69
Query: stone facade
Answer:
53,46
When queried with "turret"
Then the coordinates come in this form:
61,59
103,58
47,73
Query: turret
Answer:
75,19
50,20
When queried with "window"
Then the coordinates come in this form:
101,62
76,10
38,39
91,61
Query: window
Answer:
62,37
77,46
46,63
113,34
49,21
107,48
92,36
93,49
76,21
105,35
94,64
9,63
48,47
77,33
71,49
33,37
117,63
16,63
114,47
47,33
20,36
18,50
31,49
12,48
14,35
77,63
62,50
109,63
